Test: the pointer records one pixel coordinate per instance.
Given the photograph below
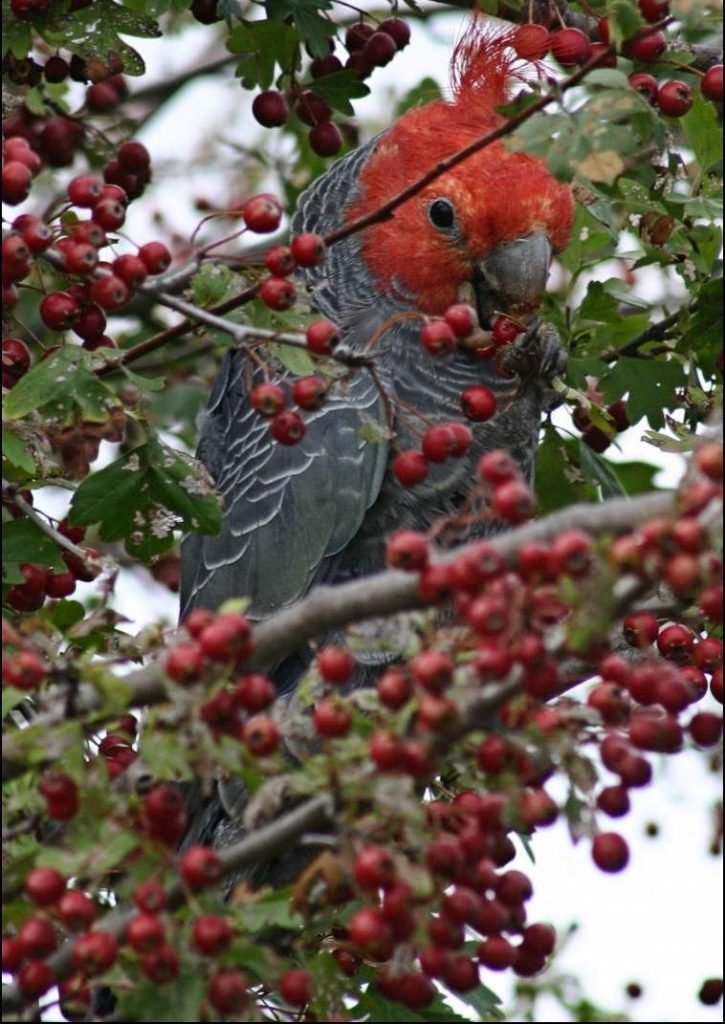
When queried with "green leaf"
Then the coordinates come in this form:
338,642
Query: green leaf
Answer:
598,471
144,383
636,477
211,284
313,29
12,696
340,88
703,132
373,1008
94,32
296,360
23,541
424,92
16,453
558,480
17,38
61,385
264,44
147,1000
271,910
64,614
651,384
144,496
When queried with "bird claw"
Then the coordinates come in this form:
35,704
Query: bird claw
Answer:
537,355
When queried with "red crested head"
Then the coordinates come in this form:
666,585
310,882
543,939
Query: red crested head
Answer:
437,242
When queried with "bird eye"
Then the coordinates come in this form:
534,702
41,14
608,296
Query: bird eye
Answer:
442,213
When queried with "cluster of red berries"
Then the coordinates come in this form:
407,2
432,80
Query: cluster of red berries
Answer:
235,710
570,47
472,894
593,435
368,47
40,583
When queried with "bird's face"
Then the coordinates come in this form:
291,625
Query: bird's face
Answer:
483,233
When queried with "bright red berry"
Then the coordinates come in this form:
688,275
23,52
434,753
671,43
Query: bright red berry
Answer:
262,213
610,852
570,46
711,83
278,293
675,98
200,866
211,934
295,987
287,427
325,139
335,664
44,886
531,42
308,249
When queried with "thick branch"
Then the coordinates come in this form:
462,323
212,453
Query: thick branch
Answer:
331,607
264,843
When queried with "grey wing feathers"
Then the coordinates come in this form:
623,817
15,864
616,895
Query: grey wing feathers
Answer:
288,510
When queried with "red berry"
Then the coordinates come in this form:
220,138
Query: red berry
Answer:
478,404
277,293
461,319
531,42
312,109
614,801
77,911
134,157
325,139
228,992
705,728
309,392
497,467
165,814
288,427
58,310
407,550
496,953
327,65
571,553
150,896
295,987
102,97
262,213
15,360
640,629
270,108
379,49
398,29
254,692
200,866
674,98
335,664
645,45
322,337
368,930
268,399
37,937
438,338
25,670
155,257
709,457
36,234
439,443
570,46
710,992
110,292
85,190
331,718
357,35
505,331
12,954
109,214
711,88
160,965
433,670
654,10
60,793
261,735
676,643
610,852
308,249
35,977
16,181
513,501
145,932
410,467
227,638
211,934
44,886
374,868
280,261
131,269
386,751
394,688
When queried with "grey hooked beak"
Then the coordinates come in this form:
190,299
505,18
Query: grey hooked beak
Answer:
512,278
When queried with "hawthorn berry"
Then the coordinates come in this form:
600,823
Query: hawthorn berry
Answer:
438,338
308,249
227,637
295,987
160,965
287,427
58,310
374,868
322,337
309,393
325,139
200,866
645,45
711,86
478,403
513,501
35,977
24,670
674,98
531,42
261,735
331,718
407,550
280,261
44,886
144,932
570,46
37,937
150,896
398,29
76,910
610,852
497,467
262,213
278,293
211,934
335,664
228,991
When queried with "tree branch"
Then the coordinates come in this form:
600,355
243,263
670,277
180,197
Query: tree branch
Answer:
330,607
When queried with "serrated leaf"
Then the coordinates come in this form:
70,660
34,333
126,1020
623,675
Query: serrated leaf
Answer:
144,383
16,453
147,1000
703,131
144,496
558,481
598,471
62,385
23,541
651,383
311,26
338,89
296,360
271,910
210,284
264,44
94,32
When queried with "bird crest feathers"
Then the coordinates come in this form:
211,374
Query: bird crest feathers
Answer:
484,66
